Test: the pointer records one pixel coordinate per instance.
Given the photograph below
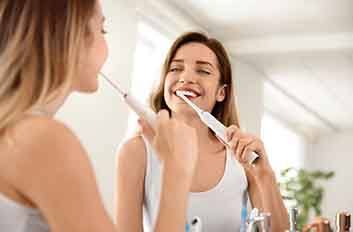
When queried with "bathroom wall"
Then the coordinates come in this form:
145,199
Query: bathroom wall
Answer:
100,119
334,153
249,92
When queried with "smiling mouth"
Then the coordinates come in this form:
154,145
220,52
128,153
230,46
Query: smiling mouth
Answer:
188,93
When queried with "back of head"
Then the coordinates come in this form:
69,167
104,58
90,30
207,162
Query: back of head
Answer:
39,51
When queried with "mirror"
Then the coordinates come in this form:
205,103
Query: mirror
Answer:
293,68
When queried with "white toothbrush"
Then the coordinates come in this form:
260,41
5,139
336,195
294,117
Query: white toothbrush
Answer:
216,126
140,109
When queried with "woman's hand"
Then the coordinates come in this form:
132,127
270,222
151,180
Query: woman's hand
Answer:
174,141
243,144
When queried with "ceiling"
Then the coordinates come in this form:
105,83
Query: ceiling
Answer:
231,19
304,48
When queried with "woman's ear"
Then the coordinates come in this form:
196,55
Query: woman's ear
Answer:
221,93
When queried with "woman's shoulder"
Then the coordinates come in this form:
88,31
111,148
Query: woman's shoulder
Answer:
132,153
32,131
35,139
41,148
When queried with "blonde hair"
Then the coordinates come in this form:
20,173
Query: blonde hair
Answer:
40,44
225,111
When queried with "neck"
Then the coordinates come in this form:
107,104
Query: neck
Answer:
51,108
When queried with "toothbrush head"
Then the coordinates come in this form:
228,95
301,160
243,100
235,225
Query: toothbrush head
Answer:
181,94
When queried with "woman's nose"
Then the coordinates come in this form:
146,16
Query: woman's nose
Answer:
187,77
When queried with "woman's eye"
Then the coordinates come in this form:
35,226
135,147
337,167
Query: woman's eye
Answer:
174,70
204,72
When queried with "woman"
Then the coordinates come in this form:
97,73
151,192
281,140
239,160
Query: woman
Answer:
200,66
49,49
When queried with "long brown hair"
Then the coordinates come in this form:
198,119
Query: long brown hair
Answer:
40,44
225,111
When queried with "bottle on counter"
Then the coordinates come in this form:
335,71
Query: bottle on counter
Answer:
293,214
343,222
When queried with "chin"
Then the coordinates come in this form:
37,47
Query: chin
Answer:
92,88
183,109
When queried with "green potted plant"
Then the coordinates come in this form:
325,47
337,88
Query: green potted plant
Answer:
302,189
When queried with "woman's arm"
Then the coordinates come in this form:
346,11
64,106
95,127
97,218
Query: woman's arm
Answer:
266,196
131,166
263,190
176,146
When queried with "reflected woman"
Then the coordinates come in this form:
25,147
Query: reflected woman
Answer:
223,178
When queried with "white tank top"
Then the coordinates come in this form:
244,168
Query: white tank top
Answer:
219,209
15,217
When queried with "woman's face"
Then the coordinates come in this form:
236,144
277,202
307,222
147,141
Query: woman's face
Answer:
194,69
94,56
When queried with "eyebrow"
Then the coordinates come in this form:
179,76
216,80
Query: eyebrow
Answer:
178,61
204,62
197,62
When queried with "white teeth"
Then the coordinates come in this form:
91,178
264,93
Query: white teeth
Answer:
187,93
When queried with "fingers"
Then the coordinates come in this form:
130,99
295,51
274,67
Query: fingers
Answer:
162,119
248,149
233,135
241,144
230,131
146,129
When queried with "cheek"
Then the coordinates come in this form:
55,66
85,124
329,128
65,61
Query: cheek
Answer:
167,86
91,62
103,48
98,53
211,92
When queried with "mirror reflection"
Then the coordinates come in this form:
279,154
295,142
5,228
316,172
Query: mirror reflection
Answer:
173,115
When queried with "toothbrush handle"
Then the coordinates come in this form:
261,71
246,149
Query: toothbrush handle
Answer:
141,110
220,130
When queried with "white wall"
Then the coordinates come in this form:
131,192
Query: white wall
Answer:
249,91
286,148
334,153
100,119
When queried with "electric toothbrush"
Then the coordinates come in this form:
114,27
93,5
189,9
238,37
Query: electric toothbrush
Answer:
140,109
216,126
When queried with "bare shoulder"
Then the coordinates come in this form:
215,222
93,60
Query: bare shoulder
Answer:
132,154
53,171
40,142
43,134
